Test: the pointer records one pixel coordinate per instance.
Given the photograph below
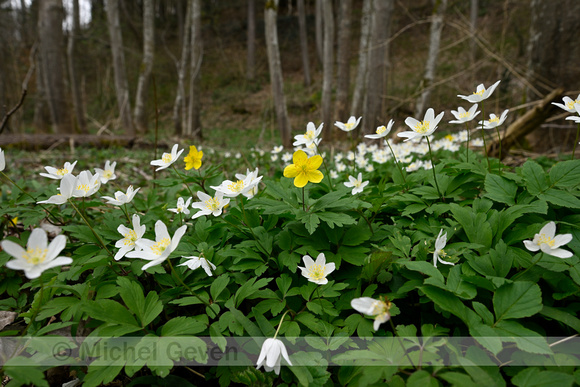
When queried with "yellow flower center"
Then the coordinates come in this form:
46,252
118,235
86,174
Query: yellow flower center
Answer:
381,129
449,137
130,238
159,247
107,174
166,157
570,104
237,186
62,172
463,115
357,183
546,239
480,92
35,256
310,135
212,204
83,187
494,119
349,125
316,272
422,127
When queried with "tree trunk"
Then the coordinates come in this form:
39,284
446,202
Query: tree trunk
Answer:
193,128
381,26
41,116
318,20
343,59
251,42
146,66
77,99
303,42
434,44
473,13
52,59
119,69
276,79
328,67
179,110
363,54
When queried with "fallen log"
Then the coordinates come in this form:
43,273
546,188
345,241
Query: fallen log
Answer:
526,124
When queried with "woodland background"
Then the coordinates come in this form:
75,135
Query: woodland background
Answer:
236,73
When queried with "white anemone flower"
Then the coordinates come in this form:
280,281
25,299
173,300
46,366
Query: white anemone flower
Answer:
382,131
271,354
67,186
278,149
243,186
130,237
167,159
576,110
195,262
57,174
371,307
182,206
422,128
312,133
480,94
209,205
86,184
316,271
159,250
494,121
252,179
122,197
2,160
350,125
548,242
108,173
38,256
440,243
357,184
569,104
462,116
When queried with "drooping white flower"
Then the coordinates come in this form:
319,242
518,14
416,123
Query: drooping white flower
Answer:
38,256
371,307
86,184
350,125
130,237
168,158
382,131
159,250
121,197
271,354
421,128
480,94
57,174
462,116
67,185
312,133
316,271
182,206
195,262
108,173
2,160
494,121
440,243
569,104
209,205
547,241
357,184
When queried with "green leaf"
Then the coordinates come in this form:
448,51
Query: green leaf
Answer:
245,322
516,300
425,268
534,377
500,189
185,326
451,303
565,174
475,225
249,288
109,311
31,374
525,339
562,316
421,378
153,308
534,177
335,219
560,198
218,285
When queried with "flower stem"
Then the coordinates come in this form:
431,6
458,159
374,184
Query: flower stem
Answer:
499,139
433,168
124,207
467,143
528,268
483,136
576,142
280,323
303,202
401,342
397,163
184,284
90,227
183,180
325,167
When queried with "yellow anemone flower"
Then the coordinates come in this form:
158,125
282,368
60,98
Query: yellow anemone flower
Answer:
304,169
193,159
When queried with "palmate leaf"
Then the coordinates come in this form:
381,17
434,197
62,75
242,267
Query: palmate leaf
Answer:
500,189
517,300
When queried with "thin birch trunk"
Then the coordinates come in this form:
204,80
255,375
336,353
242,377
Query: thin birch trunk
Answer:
146,66
303,42
382,12
77,99
119,69
473,13
276,79
251,42
328,66
179,107
343,59
363,54
430,66
193,128
318,32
